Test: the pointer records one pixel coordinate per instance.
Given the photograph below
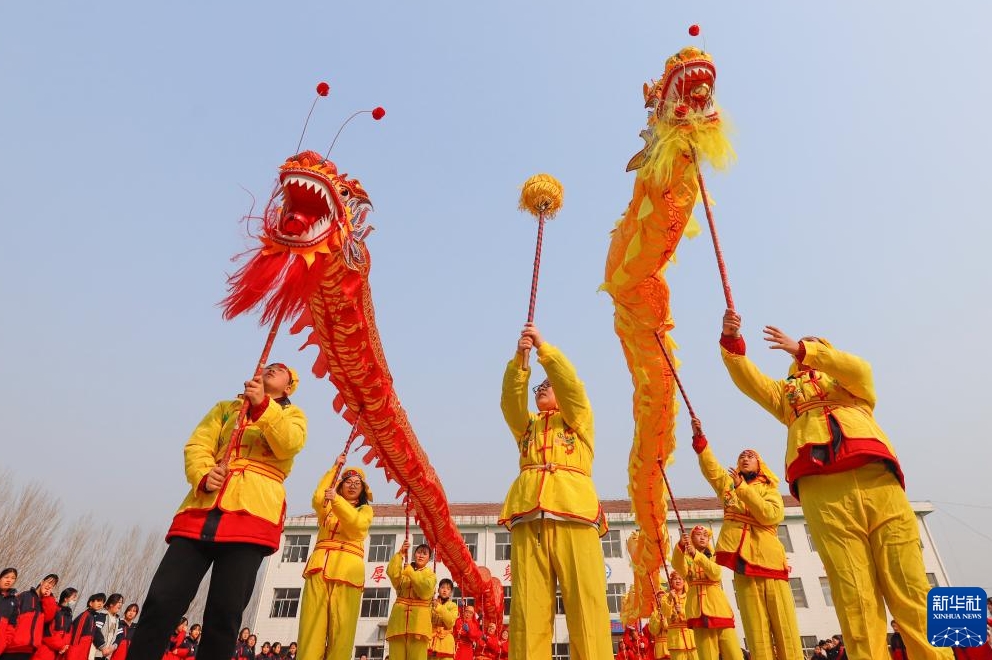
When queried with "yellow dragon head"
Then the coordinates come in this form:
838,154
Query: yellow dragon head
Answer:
686,87
683,116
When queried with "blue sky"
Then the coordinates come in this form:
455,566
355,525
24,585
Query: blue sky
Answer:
129,133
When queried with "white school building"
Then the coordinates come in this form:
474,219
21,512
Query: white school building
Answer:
278,592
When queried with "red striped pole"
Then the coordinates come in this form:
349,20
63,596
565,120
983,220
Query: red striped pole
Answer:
716,240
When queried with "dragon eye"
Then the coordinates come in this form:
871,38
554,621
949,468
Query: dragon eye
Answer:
343,192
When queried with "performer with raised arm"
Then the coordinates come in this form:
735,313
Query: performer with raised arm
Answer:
707,609
680,642
748,545
335,572
658,627
552,510
467,634
444,613
409,628
843,469
231,518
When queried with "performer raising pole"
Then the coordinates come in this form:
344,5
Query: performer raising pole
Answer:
335,572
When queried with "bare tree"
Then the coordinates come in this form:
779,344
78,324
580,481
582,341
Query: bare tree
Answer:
31,520
36,540
74,556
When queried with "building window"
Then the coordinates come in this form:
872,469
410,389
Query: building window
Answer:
809,644
932,579
825,586
375,602
503,546
296,548
456,595
798,594
285,603
559,603
559,652
506,601
614,596
783,536
611,544
418,539
372,652
381,547
471,540
812,546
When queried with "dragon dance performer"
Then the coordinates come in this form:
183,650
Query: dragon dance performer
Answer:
749,546
231,518
490,643
708,611
467,634
444,613
409,627
680,642
552,511
658,627
335,573
852,489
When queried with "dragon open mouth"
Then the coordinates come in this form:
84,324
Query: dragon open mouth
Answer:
309,209
691,83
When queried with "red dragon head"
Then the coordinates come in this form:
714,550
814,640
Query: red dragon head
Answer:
314,214
316,210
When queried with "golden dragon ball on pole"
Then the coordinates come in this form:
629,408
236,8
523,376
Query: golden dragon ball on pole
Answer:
541,196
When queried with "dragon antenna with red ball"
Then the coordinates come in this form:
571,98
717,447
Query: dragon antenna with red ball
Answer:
694,31
377,113
322,90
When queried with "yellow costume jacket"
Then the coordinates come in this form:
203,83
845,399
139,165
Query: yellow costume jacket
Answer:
748,541
707,605
680,637
411,612
658,626
253,499
827,407
443,617
342,529
556,447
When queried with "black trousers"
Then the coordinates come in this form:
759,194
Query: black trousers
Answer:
175,584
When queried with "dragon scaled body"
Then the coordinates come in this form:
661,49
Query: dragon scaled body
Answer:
684,126
313,266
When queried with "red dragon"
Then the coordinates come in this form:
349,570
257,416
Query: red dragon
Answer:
313,266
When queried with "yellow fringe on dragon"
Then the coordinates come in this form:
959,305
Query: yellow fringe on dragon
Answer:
683,122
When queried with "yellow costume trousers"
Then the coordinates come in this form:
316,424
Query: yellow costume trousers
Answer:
869,541
717,644
768,614
407,647
681,654
543,552
328,618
